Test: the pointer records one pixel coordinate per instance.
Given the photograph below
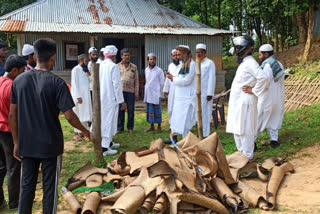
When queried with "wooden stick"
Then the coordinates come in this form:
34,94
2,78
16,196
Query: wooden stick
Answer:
96,114
198,91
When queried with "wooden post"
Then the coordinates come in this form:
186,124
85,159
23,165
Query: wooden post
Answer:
96,114
91,41
20,43
198,91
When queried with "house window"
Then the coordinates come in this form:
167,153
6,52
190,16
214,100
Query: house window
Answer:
71,52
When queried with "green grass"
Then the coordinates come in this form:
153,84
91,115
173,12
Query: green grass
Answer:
301,128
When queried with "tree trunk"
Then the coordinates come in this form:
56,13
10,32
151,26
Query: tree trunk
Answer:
310,29
206,12
276,32
294,28
96,114
198,93
302,27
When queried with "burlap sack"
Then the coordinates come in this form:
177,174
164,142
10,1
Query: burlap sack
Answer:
162,204
72,202
130,201
94,180
136,163
91,204
148,203
251,196
156,145
188,141
276,175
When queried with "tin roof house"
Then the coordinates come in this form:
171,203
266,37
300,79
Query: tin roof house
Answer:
143,26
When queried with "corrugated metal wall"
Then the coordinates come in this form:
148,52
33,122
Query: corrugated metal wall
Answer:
162,46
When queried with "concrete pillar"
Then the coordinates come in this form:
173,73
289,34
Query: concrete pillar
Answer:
91,41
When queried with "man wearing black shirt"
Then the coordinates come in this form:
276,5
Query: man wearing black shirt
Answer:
37,98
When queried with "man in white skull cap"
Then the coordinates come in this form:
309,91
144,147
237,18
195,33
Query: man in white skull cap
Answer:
242,110
168,88
271,101
152,93
110,96
101,56
28,55
208,85
184,108
93,57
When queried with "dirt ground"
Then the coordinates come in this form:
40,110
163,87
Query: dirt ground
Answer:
300,191
290,57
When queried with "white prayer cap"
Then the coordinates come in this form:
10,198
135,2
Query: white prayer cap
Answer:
27,50
102,49
266,48
173,50
201,46
151,54
184,46
110,50
92,49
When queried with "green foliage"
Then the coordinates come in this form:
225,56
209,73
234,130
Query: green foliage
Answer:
310,69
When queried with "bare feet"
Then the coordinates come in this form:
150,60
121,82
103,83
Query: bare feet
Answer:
131,131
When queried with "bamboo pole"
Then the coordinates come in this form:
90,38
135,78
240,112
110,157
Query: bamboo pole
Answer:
198,93
96,114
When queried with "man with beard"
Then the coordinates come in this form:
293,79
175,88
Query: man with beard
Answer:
242,111
93,57
28,55
152,94
101,56
111,96
184,108
271,101
80,91
130,87
3,56
208,85
169,88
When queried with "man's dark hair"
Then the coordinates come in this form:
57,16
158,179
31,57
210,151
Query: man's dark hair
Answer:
26,57
14,61
3,44
124,50
101,54
269,52
44,49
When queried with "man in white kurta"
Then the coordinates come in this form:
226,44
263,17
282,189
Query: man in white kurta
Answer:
208,86
242,109
169,88
80,91
110,96
271,102
152,93
184,108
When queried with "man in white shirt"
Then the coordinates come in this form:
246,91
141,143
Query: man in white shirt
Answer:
242,110
152,93
208,85
168,88
111,96
184,108
271,102
80,91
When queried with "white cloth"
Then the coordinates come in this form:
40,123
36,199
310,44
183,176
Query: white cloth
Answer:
154,82
201,46
273,133
80,88
110,96
266,48
271,102
208,85
90,78
92,49
184,108
99,61
27,50
110,50
170,88
242,110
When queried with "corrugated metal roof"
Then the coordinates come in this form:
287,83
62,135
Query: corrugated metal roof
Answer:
19,26
94,15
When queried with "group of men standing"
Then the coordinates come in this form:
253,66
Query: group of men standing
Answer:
257,96
180,89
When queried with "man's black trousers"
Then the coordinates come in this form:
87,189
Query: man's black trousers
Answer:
129,98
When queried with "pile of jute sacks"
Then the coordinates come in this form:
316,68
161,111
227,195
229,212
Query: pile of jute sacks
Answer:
191,176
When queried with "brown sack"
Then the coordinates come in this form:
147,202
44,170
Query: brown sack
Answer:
84,172
188,141
94,180
276,176
111,177
148,203
130,201
91,204
72,202
225,194
156,145
251,196
136,163
204,201
162,204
